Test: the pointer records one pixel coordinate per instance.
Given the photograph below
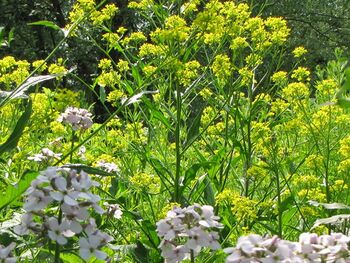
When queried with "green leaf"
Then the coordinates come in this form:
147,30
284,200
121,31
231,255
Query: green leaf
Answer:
69,257
191,173
12,141
46,24
140,253
331,206
102,94
13,192
209,195
88,169
193,130
11,36
157,114
151,233
337,219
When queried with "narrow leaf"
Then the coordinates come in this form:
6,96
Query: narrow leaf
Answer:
88,169
331,220
12,141
46,24
330,206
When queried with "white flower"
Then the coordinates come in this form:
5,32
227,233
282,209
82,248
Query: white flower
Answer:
165,230
187,229
198,239
37,201
108,167
63,194
45,155
90,246
59,232
174,254
5,253
27,224
75,212
114,210
250,244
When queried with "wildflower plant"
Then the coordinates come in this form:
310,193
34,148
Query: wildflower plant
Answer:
57,207
192,105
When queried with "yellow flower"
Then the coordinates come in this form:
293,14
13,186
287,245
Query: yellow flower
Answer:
301,74
148,49
280,78
327,87
149,70
39,63
123,65
298,52
135,38
239,43
221,67
206,93
295,90
111,38
145,182
105,64
115,96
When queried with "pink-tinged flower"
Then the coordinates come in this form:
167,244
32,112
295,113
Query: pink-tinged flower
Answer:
27,224
198,238
75,212
187,229
174,254
91,247
36,201
108,167
5,253
63,193
45,155
78,118
58,232
114,210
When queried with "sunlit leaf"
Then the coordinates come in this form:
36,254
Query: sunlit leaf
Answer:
16,134
13,192
45,23
337,219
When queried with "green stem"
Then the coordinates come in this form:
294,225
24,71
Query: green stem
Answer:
57,246
72,147
192,256
177,143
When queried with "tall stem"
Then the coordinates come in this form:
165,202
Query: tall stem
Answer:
178,145
72,147
57,246
192,256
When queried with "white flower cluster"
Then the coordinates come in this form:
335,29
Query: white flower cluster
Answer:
6,255
108,167
188,230
310,248
80,119
45,156
69,195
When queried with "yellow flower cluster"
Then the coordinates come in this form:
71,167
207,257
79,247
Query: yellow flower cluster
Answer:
295,91
241,206
301,74
298,52
188,73
327,87
145,182
175,30
12,71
